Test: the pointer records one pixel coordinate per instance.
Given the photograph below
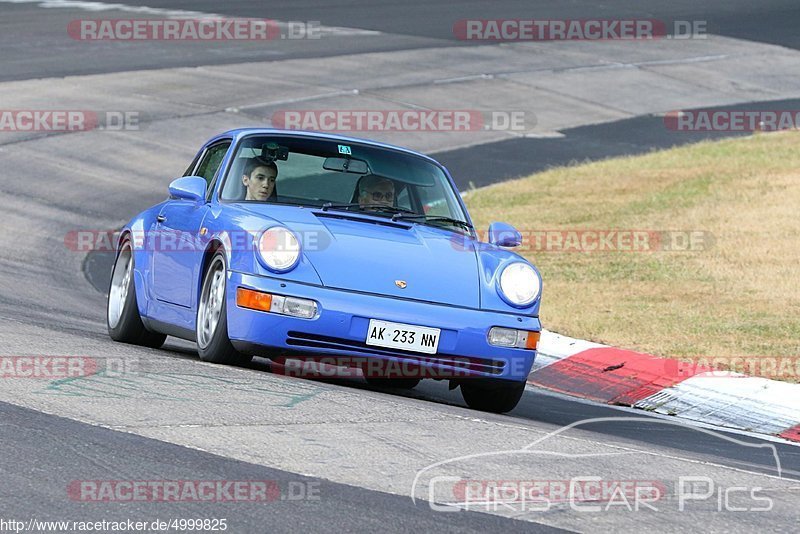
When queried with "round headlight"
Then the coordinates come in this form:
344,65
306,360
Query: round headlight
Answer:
279,249
519,284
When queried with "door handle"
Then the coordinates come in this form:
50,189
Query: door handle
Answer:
161,218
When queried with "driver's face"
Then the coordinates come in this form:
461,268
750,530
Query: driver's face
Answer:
260,183
381,194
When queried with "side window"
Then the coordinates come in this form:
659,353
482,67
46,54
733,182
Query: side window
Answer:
211,160
190,170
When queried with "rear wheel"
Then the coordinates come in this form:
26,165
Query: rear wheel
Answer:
213,343
122,311
491,398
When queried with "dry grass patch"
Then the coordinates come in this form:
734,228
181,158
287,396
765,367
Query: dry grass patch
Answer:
737,296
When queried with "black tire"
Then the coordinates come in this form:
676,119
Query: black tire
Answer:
392,383
495,399
126,325
215,346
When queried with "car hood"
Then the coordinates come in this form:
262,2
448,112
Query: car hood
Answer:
373,255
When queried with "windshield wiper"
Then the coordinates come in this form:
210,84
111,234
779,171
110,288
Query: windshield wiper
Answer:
374,207
434,218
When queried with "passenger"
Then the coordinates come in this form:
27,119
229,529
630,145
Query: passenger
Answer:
259,180
375,191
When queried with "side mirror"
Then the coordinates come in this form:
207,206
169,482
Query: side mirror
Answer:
504,235
188,188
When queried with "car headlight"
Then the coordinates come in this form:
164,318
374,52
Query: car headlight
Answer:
279,249
519,284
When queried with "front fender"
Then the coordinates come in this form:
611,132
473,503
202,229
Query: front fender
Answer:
238,233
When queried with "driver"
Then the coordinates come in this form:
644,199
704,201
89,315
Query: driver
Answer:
259,179
375,191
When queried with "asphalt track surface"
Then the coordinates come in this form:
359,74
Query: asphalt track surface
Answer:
47,307
113,455
403,25
768,21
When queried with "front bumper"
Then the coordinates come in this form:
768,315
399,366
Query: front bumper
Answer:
340,329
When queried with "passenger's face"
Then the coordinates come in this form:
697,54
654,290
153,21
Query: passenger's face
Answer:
381,194
260,183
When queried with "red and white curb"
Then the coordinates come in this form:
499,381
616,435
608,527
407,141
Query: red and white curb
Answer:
620,377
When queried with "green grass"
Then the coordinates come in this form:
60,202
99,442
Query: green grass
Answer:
737,296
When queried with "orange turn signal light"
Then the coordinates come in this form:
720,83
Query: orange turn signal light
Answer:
533,340
254,300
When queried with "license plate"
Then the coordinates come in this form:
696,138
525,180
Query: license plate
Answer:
403,336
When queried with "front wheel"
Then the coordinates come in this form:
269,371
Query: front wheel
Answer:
122,311
497,399
213,343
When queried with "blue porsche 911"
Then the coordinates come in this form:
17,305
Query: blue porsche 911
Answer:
302,246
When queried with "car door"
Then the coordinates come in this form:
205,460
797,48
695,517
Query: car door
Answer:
177,253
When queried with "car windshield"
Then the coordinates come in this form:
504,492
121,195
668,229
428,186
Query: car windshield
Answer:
339,175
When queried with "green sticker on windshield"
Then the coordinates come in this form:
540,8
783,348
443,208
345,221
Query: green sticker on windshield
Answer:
344,149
